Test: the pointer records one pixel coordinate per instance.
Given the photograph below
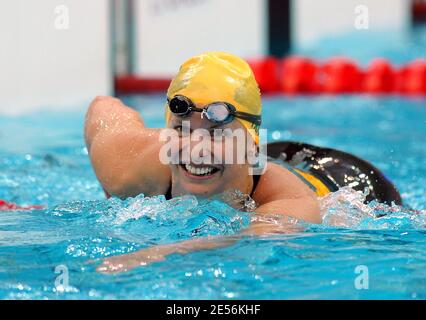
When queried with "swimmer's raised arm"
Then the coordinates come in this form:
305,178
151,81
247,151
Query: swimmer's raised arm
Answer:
106,113
124,153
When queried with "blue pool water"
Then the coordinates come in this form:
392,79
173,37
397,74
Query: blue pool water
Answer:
43,161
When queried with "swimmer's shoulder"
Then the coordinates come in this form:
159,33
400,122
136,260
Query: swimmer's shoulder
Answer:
277,182
124,153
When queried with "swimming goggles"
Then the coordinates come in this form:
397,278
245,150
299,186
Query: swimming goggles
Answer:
217,112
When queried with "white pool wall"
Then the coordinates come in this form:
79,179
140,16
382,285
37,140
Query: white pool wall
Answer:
49,61
313,20
170,32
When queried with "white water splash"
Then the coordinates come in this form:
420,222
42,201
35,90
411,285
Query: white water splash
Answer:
155,208
346,208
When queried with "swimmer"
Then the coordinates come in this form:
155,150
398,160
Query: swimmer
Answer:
211,91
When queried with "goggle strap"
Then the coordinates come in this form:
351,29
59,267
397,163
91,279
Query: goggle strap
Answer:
256,119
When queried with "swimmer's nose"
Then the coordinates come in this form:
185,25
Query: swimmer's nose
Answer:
198,120
204,146
201,151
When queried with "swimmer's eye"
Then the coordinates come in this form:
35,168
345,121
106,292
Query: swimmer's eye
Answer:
179,130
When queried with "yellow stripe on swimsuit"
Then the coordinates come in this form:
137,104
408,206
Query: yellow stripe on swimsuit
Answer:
319,187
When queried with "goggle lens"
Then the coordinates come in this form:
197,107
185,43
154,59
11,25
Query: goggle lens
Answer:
217,112
179,106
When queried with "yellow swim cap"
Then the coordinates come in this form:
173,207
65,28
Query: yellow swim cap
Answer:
219,76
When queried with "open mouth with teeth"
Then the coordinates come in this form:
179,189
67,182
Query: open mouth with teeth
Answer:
199,171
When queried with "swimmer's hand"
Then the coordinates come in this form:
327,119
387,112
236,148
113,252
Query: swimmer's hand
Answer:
261,226
127,262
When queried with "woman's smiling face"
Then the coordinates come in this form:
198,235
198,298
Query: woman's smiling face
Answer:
212,157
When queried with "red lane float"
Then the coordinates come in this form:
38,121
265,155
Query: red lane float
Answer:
298,75
340,75
265,71
412,78
379,78
302,75
9,206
